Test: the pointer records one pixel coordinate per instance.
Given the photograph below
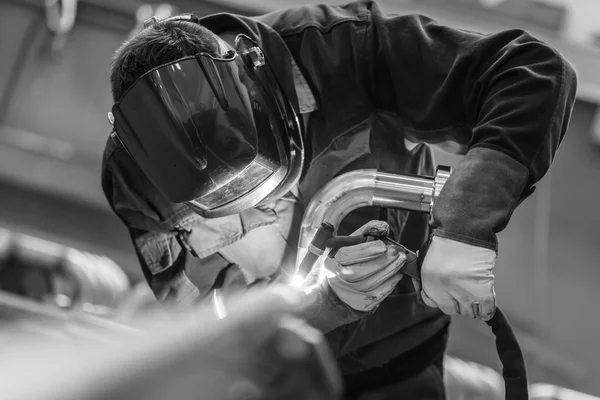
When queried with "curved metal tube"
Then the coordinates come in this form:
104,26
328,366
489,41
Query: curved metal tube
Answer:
362,188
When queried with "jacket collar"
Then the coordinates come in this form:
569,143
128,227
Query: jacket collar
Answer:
291,79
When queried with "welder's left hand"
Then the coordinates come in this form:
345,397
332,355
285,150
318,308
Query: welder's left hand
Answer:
363,275
458,278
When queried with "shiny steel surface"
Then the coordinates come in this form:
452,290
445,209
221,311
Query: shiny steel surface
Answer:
403,191
442,175
367,187
333,202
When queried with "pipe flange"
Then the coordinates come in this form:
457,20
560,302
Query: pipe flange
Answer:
442,174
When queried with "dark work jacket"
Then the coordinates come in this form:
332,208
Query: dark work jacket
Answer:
375,90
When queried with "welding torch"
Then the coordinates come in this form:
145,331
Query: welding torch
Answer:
324,238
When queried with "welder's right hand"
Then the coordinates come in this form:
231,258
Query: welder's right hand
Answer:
363,275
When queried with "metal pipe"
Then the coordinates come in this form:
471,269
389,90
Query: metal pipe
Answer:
356,189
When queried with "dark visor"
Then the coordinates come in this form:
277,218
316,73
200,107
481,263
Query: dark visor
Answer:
200,129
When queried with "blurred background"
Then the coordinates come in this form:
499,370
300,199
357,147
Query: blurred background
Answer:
54,98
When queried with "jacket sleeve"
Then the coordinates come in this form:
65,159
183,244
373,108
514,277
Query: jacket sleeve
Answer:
504,100
174,273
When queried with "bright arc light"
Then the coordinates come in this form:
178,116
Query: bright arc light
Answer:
297,282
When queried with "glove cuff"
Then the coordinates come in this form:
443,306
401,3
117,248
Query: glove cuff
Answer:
480,197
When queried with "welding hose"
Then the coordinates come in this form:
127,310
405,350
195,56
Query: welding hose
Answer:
511,357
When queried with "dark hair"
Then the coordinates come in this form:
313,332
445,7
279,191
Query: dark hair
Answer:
158,44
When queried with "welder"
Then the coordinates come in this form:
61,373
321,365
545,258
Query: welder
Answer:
225,126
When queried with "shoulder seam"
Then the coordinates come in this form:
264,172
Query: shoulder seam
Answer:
362,18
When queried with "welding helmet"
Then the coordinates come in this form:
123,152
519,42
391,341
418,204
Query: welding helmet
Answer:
215,133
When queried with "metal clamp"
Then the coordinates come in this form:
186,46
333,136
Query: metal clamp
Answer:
256,57
60,15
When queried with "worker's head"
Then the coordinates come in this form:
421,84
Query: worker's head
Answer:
159,44
205,120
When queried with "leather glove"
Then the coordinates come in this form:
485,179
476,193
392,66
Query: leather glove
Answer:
458,278
363,275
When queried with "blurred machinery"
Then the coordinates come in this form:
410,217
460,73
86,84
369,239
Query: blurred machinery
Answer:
260,351
60,276
60,306
60,15
24,319
546,391
60,20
